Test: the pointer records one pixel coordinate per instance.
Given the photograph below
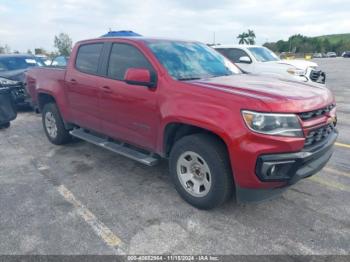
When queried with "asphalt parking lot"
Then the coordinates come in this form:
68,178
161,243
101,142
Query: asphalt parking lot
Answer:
81,199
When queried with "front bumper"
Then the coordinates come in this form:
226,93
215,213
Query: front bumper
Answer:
20,95
288,168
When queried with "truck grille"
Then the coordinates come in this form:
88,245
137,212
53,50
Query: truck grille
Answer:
318,76
315,113
319,134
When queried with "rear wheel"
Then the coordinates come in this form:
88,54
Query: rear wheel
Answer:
54,126
201,172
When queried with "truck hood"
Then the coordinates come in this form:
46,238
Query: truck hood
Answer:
16,75
300,64
279,95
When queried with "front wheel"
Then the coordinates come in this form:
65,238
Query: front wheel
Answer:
54,126
6,125
201,172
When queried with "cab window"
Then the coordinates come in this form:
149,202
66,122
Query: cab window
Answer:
88,58
123,57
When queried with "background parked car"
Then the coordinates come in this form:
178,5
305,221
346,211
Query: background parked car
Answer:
260,60
60,61
331,54
13,68
43,59
7,108
317,55
346,54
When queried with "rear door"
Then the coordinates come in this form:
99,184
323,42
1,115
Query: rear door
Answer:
82,81
128,112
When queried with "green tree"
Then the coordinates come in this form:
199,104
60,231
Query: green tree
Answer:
271,46
303,44
326,45
63,43
282,46
247,38
251,37
40,51
243,38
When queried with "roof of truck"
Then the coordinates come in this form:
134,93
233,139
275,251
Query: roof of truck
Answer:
136,38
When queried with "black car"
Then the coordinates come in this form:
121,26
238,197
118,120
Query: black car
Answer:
346,54
7,108
12,70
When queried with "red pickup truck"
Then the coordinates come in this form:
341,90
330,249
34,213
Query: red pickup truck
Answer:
222,130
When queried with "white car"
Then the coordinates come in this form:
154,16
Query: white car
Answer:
43,60
260,60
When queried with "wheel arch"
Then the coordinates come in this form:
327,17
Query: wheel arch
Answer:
174,131
45,98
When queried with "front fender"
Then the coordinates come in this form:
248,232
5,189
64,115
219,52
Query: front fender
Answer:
214,118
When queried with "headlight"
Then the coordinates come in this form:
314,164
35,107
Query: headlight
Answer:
273,124
5,81
296,72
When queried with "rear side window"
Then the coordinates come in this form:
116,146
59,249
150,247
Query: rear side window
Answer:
123,57
233,54
88,57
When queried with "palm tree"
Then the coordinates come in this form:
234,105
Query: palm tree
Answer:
251,37
243,38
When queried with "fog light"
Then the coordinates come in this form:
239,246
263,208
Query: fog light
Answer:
274,170
271,171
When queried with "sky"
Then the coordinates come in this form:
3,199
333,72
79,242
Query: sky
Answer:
27,24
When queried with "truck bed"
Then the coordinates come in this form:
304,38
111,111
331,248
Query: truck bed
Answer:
38,77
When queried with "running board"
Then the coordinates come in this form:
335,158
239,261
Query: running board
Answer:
119,148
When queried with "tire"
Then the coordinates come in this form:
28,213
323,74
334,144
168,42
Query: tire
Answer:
200,169
6,125
53,125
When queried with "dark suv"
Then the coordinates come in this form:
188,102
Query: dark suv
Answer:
346,54
13,68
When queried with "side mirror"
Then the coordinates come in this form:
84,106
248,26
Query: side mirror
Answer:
141,77
245,60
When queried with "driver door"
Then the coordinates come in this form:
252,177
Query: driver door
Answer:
128,112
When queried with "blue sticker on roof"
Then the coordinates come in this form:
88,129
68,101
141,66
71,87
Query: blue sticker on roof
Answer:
120,33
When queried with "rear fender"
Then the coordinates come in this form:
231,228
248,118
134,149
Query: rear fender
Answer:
57,91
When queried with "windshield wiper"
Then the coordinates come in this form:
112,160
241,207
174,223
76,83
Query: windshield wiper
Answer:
188,78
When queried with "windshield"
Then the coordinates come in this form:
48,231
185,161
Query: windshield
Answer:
263,54
16,63
187,61
41,61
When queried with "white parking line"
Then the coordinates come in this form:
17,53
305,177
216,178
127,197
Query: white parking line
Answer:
99,228
330,184
336,172
342,145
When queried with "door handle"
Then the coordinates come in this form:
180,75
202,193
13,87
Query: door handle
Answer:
107,89
73,81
